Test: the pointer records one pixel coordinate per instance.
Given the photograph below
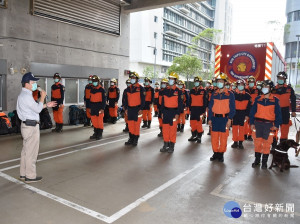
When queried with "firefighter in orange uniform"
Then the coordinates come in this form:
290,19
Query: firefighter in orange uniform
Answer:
113,95
134,102
242,108
128,83
197,104
87,103
221,110
163,84
147,110
156,96
57,94
171,107
254,92
287,100
98,103
265,118
184,111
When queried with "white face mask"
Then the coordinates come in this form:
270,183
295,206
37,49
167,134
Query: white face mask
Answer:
265,90
146,83
156,86
207,85
171,82
112,84
132,81
163,85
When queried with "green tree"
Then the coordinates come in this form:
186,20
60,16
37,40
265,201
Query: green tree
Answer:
209,34
186,65
149,72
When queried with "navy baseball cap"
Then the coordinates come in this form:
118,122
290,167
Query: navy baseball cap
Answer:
27,77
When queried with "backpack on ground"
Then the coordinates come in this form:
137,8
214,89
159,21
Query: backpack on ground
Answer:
15,121
73,115
5,125
45,119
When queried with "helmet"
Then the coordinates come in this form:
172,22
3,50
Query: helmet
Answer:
56,75
222,76
180,82
113,80
259,83
197,79
147,79
268,83
234,83
240,81
208,81
282,75
251,79
174,75
134,75
128,81
95,78
156,83
165,80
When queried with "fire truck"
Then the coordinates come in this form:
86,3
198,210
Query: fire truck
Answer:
240,61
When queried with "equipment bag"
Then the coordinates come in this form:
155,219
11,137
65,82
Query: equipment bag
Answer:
15,121
5,125
73,115
45,119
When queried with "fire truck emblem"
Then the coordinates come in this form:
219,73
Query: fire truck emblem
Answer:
242,65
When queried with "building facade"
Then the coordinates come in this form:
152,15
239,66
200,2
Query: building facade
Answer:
291,40
169,31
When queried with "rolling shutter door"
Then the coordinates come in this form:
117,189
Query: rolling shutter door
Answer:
99,15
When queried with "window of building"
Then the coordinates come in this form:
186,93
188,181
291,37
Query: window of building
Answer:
297,15
155,35
290,17
74,89
155,19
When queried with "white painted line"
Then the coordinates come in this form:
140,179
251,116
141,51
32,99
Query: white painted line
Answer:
151,194
67,153
67,147
70,204
98,215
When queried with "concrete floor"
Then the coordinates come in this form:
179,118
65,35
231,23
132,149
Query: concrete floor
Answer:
104,181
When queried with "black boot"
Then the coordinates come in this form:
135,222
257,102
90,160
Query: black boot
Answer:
94,135
160,134
99,134
135,140
126,128
199,136
203,120
182,128
56,128
274,143
187,116
144,124
193,137
178,127
60,127
241,145
250,138
221,157
165,147
214,156
257,159
234,145
156,114
264,161
209,131
171,147
246,137
113,120
149,124
130,140
87,123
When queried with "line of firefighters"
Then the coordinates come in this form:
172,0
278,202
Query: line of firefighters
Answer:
254,110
